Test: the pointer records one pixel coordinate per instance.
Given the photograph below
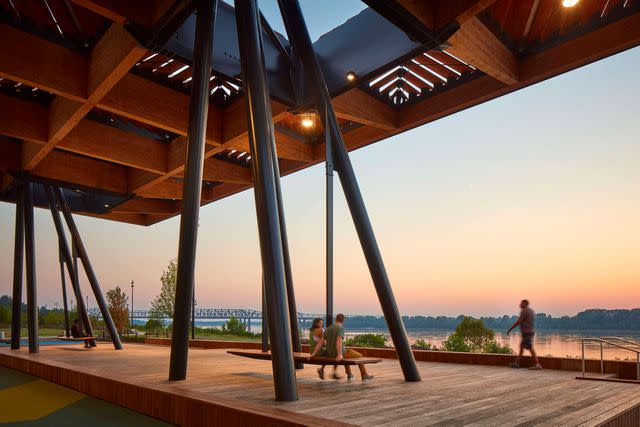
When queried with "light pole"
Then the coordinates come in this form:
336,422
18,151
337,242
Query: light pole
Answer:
131,306
193,318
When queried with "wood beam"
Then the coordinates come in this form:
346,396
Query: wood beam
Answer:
360,107
146,206
111,58
128,218
146,13
23,119
38,63
221,171
104,142
82,171
475,44
436,15
148,102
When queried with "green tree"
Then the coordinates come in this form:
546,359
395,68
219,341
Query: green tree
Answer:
471,335
455,342
154,326
368,340
162,306
118,303
474,333
234,327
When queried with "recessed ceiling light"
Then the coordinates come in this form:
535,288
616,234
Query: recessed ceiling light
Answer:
569,3
307,121
351,76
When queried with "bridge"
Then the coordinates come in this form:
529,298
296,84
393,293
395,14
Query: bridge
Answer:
243,314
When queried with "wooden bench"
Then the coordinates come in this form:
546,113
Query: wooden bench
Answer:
306,358
87,340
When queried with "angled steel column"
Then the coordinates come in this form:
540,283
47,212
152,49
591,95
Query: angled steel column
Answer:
18,261
88,268
192,186
262,146
291,296
301,42
66,256
265,323
329,226
30,251
64,289
77,290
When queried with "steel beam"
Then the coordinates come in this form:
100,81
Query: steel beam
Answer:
88,268
30,251
262,147
291,296
265,323
63,281
192,186
329,227
18,261
66,257
301,43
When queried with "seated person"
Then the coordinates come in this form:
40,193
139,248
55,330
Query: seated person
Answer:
333,339
76,332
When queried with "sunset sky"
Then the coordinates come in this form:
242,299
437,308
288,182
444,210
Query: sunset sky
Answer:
533,195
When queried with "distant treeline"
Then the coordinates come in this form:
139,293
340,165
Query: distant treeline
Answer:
591,319
585,320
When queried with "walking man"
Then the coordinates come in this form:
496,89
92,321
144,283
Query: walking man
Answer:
526,321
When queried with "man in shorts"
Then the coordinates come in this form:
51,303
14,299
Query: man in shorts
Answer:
333,339
526,321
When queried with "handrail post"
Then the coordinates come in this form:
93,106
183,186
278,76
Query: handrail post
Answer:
583,367
601,359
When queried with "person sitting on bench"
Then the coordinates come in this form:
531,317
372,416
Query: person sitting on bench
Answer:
333,339
76,332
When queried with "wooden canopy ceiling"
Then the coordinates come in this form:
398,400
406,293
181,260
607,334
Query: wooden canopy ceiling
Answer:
83,104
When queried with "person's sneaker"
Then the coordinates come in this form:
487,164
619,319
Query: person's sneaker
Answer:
350,377
321,373
367,378
537,367
514,365
336,376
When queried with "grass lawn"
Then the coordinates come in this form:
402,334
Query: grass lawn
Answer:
42,332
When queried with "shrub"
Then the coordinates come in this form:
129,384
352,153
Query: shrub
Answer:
423,345
455,342
495,347
368,340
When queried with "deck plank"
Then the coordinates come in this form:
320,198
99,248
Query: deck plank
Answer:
450,394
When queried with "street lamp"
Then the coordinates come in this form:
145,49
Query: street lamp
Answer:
131,306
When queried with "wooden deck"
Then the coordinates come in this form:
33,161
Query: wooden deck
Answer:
236,388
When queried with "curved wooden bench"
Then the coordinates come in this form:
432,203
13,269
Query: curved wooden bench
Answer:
306,358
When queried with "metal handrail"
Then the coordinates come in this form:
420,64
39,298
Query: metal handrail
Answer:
608,341
634,343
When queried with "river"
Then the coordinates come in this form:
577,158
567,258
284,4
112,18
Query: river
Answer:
546,343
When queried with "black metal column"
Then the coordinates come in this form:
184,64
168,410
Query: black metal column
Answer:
301,42
66,256
18,261
88,268
291,296
192,186
65,307
329,227
265,323
262,147
30,251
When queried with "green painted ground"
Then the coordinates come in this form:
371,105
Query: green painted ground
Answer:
50,405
